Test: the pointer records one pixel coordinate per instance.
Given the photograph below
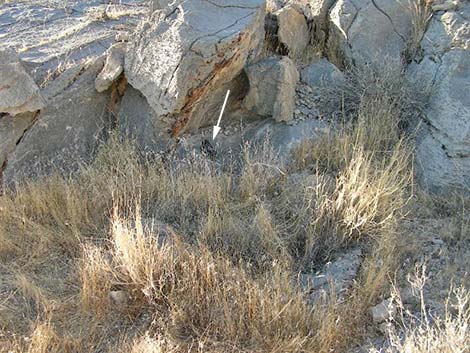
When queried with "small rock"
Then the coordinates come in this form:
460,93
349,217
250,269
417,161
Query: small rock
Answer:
321,73
383,311
446,6
120,298
113,67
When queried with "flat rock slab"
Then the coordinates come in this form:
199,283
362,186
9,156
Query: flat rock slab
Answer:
293,31
368,31
11,131
184,58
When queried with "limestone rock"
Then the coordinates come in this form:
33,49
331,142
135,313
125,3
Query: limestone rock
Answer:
443,144
321,73
65,134
292,30
113,67
272,88
161,4
319,17
18,91
368,31
445,6
284,138
184,58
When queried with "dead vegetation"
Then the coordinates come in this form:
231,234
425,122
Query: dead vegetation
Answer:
203,257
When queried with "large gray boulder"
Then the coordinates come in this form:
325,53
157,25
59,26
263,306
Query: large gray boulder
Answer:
443,145
51,36
184,57
18,91
112,69
368,31
272,88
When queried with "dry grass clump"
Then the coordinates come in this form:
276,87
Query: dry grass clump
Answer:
380,92
425,332
420,12
196,296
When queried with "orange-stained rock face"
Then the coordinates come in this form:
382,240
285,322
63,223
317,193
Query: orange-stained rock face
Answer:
184,58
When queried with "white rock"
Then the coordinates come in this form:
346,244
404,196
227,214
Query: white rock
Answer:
443,144
113,67
18,91
368,31
119,298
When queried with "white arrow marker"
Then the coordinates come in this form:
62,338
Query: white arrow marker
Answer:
217,127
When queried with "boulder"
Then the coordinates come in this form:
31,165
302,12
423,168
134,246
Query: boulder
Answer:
184,58
272,88
368,31
292,31
65,134
113,67
285,138
318,15
18,91
321,73
443,143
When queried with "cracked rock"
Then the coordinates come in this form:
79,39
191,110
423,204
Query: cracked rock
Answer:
184,58
321,73
383,311
368,31
443,144
272,88
12,129
18,91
